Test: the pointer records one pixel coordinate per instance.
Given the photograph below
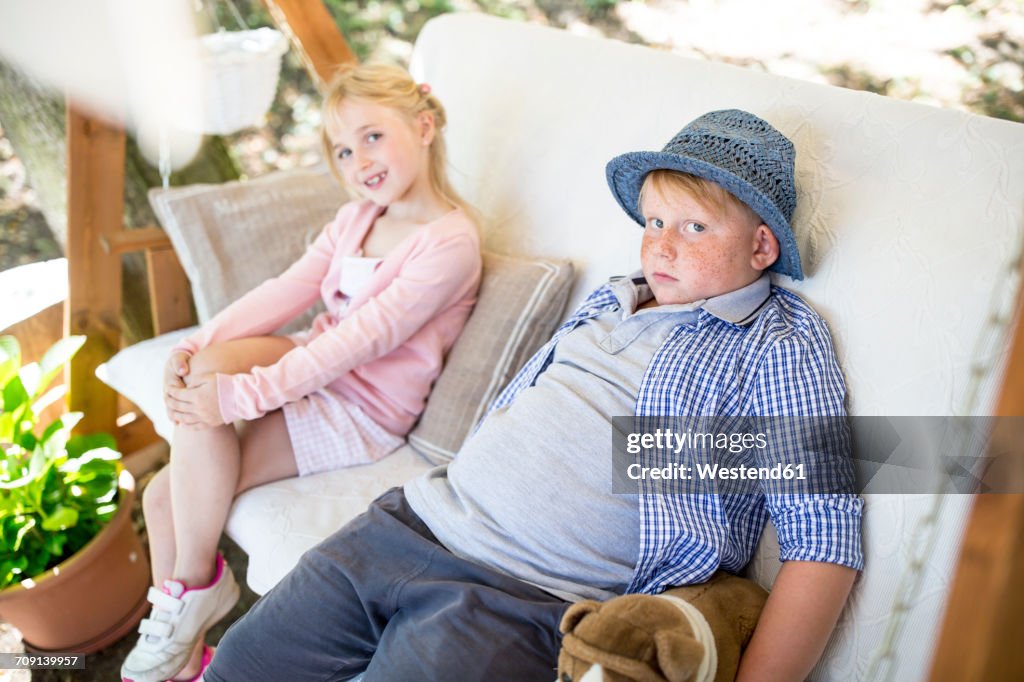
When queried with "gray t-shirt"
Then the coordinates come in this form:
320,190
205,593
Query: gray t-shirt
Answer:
530,493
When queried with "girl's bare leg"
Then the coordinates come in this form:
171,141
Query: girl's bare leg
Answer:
266,456
186,504
205,464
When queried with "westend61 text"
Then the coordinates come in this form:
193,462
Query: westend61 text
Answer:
714,472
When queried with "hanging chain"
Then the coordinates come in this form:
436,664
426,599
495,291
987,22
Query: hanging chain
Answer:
164,164
199,5
987,357
281,21
237,14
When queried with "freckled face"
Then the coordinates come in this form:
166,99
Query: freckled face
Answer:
379,152
691,251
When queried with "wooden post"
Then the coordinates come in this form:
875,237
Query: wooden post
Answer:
169,293
314,35
96,152
983,632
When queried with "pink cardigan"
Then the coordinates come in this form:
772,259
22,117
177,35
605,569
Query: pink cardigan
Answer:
384,350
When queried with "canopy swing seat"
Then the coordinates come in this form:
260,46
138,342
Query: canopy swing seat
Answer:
910,222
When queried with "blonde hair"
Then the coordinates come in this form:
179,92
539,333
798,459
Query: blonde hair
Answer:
666,182
391,86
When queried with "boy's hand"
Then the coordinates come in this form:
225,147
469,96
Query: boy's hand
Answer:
196,407
175,372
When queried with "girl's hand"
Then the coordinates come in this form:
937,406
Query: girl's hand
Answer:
197,406
175,372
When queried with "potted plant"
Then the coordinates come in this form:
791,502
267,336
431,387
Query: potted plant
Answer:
73,576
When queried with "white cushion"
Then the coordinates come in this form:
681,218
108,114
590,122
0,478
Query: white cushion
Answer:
137,373
277,522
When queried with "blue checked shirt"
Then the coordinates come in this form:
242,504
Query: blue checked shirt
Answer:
777,362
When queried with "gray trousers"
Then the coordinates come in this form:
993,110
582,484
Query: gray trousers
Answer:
383,596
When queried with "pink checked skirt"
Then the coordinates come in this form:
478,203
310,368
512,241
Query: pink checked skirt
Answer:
328,432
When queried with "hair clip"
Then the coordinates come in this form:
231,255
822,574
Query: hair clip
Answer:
424,89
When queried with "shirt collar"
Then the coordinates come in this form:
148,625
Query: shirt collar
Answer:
739,306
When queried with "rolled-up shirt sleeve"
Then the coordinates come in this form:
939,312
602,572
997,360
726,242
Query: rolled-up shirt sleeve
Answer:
800,388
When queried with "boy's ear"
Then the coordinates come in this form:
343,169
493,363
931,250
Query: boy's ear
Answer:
426,127
766,248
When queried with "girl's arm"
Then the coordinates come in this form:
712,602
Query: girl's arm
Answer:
428,283
277,300
797,620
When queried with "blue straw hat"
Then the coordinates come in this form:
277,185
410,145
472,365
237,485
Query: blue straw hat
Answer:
735,149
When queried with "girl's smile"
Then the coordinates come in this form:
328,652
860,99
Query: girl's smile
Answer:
380,152
375,180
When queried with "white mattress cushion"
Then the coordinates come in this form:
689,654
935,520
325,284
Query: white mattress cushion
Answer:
136,373
275,523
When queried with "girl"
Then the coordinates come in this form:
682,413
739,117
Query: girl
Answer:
398,272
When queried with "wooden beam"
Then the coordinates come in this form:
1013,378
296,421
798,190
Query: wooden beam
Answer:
982,632
169,293
140,239
314,35
96,152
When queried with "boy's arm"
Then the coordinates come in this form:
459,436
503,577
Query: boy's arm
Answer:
797,620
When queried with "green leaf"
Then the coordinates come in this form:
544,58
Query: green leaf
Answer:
13,570
81,444
53,449
38,462
106,511
9,505
90,464
15,395
30,376
67,422
55,543
24,422
17,483
23,530
61,519
28,440
49,398
59,353
10,359
55,358
6,427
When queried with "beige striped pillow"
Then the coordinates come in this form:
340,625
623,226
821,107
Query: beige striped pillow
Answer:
520,304
230,237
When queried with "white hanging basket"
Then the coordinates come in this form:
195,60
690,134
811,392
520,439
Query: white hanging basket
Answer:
240,77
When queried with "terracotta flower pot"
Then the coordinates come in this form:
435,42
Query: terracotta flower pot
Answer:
92,599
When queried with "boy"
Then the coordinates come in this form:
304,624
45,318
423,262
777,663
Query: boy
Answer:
464,574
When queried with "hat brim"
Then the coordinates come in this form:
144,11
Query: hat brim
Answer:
626,175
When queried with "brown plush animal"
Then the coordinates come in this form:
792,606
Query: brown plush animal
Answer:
688,634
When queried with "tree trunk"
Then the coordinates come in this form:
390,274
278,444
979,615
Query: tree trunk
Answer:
33,120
